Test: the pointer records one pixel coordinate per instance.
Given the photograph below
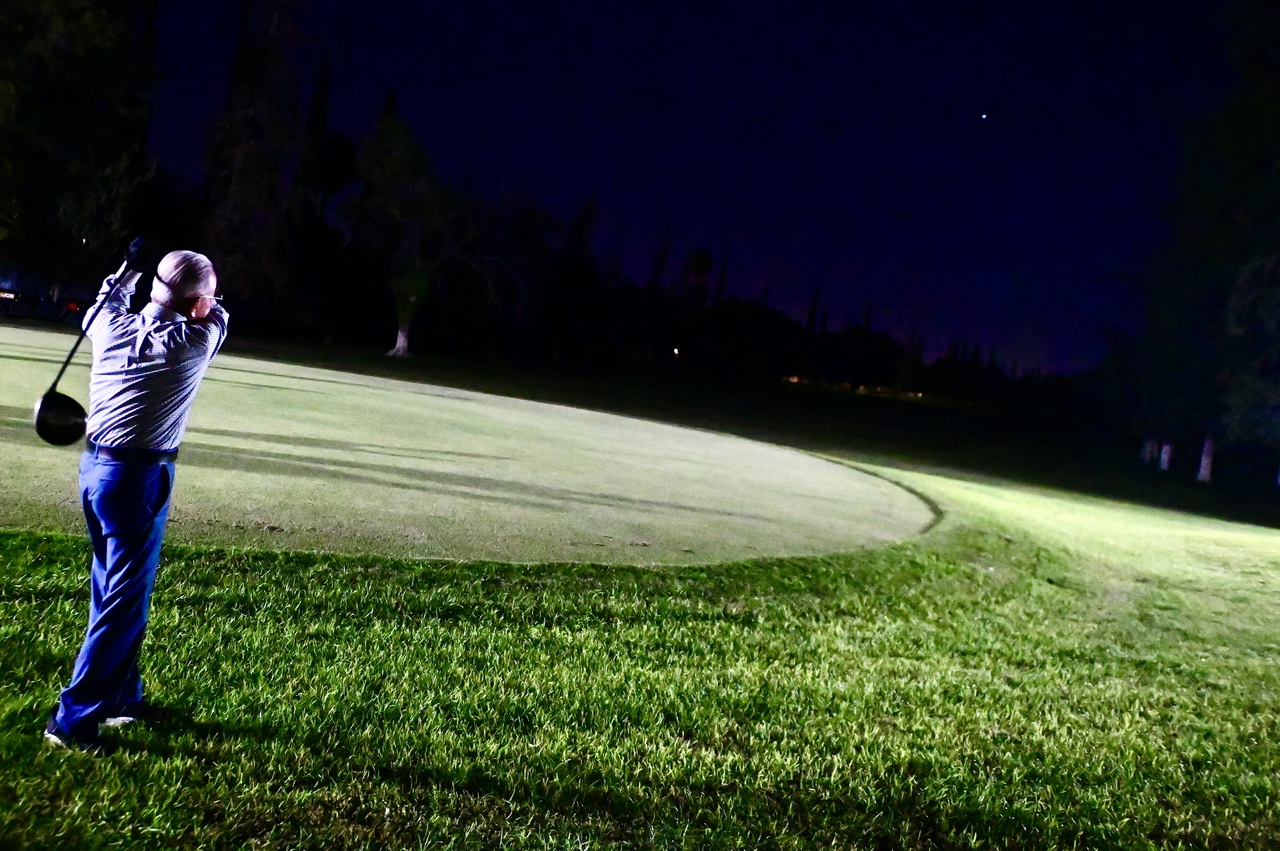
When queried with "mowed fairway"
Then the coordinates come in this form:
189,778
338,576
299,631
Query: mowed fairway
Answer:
294,457
1038,670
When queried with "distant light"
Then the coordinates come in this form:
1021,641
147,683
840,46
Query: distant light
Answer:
83,241
676,352
984,116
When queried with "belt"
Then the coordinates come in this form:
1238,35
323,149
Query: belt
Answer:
130,454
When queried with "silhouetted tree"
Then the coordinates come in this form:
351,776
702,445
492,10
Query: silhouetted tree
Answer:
251,142
1204,359
74,81
516,244
328,162
659,266
318,263
693,280
1252,355
402,219
571,305
717,295
811,319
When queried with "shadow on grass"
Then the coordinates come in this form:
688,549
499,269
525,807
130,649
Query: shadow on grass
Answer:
893,433
181,734
221,367
477,795
890,814
1060,453
343,445
217,380
19,429
51,359
498,490
22,661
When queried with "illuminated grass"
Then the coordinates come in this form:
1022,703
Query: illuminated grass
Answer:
973,689
1041,670
291,457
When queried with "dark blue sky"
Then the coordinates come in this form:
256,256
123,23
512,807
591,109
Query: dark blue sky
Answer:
831,144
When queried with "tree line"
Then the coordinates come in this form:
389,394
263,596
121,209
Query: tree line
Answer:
1204,372
360,241
320,236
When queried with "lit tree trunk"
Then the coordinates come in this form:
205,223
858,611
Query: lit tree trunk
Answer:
408,289
402,342
1205,476
1166,456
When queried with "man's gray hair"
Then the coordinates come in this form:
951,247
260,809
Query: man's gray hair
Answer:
183,274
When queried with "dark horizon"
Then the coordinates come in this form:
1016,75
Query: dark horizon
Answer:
828,148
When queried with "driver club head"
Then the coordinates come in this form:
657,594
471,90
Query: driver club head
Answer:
59,419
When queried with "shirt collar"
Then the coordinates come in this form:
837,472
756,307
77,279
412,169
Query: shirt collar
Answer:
160,313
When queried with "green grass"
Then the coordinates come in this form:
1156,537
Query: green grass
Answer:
1043,669
973,689
294,457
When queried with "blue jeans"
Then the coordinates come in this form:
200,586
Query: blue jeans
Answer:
126,506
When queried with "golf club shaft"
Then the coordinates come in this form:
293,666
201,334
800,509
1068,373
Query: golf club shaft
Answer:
116,280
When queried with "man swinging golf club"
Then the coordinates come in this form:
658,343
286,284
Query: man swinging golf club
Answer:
146,370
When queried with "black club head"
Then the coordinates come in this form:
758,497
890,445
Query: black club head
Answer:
59,419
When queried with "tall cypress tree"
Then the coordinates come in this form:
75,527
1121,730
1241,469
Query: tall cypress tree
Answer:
402,223
251,143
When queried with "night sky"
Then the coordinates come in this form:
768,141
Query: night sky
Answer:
833,144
